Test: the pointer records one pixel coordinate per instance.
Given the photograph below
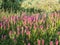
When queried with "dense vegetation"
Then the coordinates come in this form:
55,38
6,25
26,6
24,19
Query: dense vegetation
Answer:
30,5
32,29
29,22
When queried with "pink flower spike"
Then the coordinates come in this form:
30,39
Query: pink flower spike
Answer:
38,42
42,41
51,42
28,43
58,33
8,25
41,27
10,32
4,17
35,27
18,30
37,15
27,32
16,17
57,42
4,27
3,36
1,25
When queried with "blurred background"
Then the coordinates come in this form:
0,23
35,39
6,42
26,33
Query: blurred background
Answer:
30,6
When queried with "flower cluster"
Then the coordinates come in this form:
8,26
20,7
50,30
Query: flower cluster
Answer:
30,30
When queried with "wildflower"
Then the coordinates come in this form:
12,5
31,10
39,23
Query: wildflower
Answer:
16,17
29,20
3,36
42,41
24,22
41,27
11,20
25,17
27,32
22,31
51,42
4,17
26,27
1,25
8,25
10,33
38,42
58,33
44,15
54,14
32,18
14,21
37,15
18,30
35,27
40,21
6,20
4,27
23,14
57,42
28,43
13,17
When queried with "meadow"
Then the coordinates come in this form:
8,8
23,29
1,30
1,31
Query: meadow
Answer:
29,22
35,29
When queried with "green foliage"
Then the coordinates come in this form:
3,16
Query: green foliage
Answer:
0,3
30,5
11,5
